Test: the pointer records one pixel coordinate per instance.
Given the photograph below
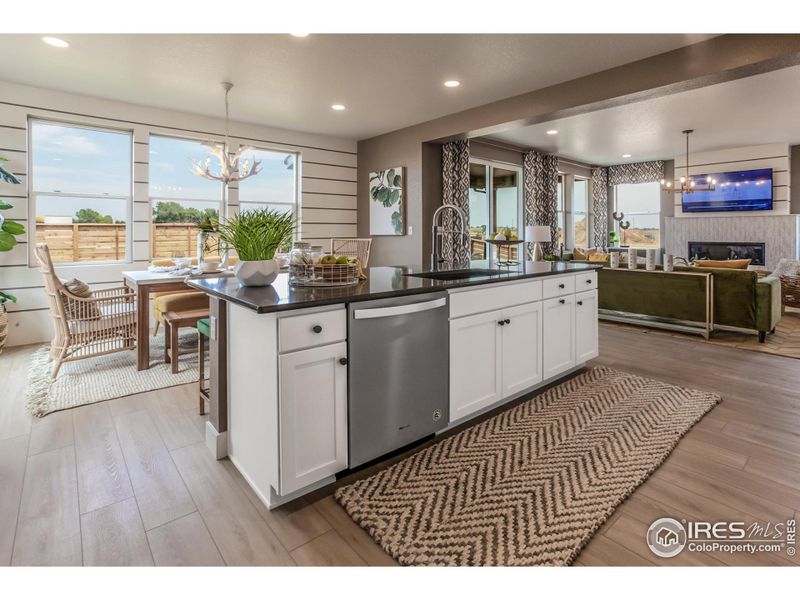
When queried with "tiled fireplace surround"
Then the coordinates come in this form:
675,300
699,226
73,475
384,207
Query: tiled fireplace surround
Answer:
780,233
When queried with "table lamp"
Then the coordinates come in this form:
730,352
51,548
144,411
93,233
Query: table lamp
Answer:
537,234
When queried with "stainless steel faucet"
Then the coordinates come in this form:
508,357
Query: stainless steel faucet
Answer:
437,231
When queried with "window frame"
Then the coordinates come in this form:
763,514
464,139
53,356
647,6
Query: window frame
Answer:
574,213
490,166
241,204
561,214
222,194
641,213
221,202
33,195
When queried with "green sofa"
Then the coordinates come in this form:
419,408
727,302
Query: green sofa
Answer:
741,299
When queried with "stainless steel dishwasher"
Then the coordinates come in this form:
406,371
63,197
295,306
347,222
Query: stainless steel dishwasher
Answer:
398,352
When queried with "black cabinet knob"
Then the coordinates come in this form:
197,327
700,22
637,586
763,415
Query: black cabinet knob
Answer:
317,329
501,322
561,301
507,321
589,281
342,361
580,302
561,285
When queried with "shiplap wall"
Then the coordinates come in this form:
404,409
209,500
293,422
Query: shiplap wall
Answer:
327,185
767,156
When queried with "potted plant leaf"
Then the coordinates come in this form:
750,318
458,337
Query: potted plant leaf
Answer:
256,235
9,229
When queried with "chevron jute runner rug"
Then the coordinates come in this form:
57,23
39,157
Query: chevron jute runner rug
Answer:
531,485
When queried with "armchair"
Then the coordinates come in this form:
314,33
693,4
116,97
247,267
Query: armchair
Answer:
83,327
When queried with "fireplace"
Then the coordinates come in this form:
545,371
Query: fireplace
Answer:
755,251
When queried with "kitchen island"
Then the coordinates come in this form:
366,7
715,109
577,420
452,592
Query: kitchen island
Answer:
302,390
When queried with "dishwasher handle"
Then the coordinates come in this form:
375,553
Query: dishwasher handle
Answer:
402,309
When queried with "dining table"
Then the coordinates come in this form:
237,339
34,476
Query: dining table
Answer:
146,282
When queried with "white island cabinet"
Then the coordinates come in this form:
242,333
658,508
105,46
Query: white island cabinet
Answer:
288,399
507,339
287,370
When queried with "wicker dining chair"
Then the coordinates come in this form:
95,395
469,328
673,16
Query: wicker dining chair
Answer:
83,327
358,247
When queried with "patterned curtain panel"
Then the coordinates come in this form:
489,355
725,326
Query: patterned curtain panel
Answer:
455,191
643,172
600,206
540,172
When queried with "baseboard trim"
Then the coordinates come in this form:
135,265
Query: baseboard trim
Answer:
216,442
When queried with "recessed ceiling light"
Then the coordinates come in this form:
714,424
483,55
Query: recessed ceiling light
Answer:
56,42
338,106
299,34
626,156
552,131
452,83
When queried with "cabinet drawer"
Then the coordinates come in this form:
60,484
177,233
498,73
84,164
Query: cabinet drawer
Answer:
558,286
586,281
493,297
314,329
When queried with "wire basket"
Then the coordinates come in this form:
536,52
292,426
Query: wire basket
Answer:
323,275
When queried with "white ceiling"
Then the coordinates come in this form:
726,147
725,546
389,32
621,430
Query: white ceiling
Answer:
756,110
386,81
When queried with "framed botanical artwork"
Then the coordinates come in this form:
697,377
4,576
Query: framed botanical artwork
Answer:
387,202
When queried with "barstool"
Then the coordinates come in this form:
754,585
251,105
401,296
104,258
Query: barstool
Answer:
203,328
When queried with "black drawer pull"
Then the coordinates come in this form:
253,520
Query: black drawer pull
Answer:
507,321
580,302
589,281
561,285
317,329
561,301
501,322
342,361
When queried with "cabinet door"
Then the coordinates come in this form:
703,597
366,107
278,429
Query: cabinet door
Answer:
558,326
475,363
313,415
522,341
586,346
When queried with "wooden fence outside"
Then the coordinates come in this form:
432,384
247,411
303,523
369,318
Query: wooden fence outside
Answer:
97,242
478,250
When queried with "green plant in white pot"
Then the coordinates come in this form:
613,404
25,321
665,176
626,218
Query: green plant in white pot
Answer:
256,235
9,229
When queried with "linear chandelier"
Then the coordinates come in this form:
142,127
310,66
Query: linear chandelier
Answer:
689,184
229,160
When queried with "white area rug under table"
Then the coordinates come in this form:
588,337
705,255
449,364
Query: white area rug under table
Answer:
106,377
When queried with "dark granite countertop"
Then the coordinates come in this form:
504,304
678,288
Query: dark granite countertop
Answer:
381,282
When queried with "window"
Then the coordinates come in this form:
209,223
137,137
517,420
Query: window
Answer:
179,198
495,208
560,212
641,204
580,205
275,186
81,188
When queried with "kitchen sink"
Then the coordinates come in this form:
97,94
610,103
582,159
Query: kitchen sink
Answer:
459,274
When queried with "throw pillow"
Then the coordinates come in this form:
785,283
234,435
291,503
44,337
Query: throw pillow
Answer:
88,310
742,263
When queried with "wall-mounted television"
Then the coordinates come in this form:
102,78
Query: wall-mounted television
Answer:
734,191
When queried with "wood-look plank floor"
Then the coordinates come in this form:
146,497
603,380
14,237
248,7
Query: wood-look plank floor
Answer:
129,482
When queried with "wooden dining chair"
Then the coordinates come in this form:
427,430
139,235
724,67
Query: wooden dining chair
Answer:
358,247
